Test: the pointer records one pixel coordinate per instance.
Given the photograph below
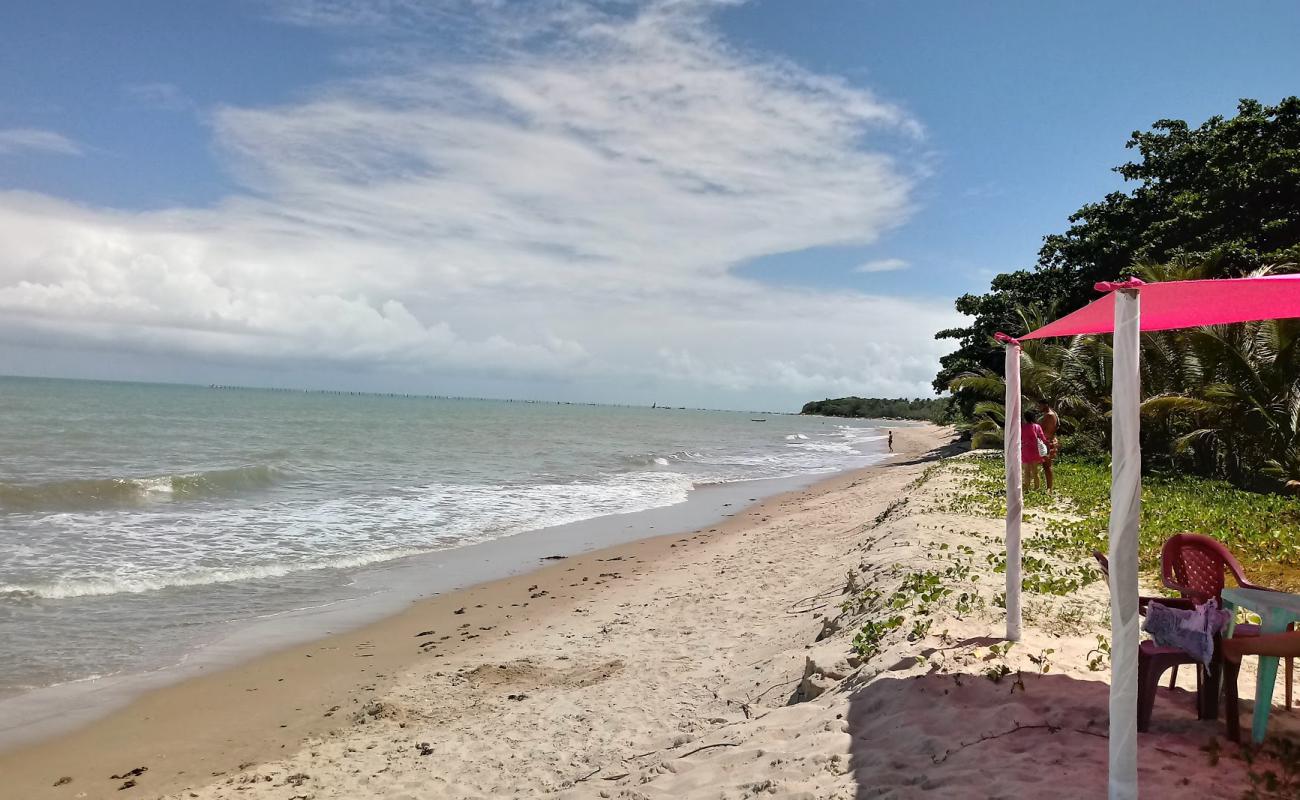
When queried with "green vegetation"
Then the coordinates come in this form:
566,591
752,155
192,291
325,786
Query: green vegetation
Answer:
933,410
917,594
1262,530
1099,656
1222,401
1219,200
868,640
1227,191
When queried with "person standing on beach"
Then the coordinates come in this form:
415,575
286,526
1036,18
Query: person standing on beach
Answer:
1050,422
891,441
1033,443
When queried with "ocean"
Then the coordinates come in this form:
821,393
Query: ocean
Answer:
142,522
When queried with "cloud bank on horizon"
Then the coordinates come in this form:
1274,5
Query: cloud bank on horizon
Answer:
565,202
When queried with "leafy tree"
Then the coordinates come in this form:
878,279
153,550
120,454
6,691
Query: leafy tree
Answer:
879,408
1244,406
1226,194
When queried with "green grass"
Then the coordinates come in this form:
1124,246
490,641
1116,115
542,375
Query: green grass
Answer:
1262,530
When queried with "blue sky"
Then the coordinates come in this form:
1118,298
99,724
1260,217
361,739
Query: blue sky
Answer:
560,199
1027,104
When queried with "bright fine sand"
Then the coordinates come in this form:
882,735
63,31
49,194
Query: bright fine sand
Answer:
717,664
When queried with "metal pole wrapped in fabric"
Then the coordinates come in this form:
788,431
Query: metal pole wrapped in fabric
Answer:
1125,510
1015,503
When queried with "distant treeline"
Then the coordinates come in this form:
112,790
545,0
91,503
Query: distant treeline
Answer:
879,408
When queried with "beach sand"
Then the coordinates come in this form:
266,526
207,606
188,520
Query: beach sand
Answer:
714,664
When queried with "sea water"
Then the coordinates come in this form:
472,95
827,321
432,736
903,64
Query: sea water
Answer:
136,520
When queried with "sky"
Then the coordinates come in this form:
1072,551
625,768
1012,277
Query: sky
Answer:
710,203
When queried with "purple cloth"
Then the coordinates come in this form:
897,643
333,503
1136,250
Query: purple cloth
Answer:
1191,630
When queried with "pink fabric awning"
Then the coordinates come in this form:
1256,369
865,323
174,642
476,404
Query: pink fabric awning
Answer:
1187,304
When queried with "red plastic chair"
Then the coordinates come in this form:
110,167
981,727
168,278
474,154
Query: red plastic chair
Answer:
1195,566
1153,659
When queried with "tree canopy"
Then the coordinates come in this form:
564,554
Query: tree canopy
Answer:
1225,194
1216,201
878,408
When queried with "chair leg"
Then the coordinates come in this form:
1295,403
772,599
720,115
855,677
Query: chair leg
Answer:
1230,710
1148,682
1289,665
1210,692
1173,677
1200,690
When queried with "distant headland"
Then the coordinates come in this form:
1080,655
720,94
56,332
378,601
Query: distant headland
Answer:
933,409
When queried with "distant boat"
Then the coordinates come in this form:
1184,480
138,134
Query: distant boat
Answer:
755,419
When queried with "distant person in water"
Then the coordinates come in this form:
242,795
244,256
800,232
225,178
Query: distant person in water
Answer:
1031,436
1050,422
891,441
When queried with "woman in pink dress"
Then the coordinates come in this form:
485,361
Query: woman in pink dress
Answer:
1031,433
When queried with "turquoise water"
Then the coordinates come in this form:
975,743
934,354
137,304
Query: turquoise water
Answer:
136,519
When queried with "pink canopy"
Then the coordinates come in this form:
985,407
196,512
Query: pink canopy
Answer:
1187,304
1153,307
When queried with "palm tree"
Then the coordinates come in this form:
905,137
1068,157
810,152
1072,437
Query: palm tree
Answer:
1243,400
1227,396
1073,376
1220,400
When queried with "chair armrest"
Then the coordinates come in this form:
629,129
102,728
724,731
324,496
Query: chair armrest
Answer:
1244,584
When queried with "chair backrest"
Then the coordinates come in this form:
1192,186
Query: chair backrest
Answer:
1104,564
1195,566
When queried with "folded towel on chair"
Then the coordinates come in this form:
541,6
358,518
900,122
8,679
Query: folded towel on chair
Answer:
1190,630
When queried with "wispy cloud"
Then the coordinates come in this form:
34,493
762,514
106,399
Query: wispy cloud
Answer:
883,265
567,205
16,140
159,94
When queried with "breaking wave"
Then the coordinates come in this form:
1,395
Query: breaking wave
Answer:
334,534
95,493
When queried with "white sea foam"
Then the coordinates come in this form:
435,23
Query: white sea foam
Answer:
112,550
141,582
337,534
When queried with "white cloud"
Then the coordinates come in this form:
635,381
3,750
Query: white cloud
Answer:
883,265
16,140
569,209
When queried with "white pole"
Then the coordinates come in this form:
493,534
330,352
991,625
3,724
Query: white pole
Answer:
1015,502
1125,510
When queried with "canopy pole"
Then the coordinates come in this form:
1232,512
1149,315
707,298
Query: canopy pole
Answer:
1125,511
1015,501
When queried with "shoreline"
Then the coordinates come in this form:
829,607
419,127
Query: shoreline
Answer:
838,642
382,590
335,669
